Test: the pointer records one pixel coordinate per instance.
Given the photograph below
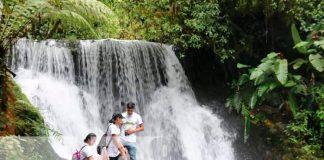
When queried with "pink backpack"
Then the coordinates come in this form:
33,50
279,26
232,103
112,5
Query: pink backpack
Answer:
77,154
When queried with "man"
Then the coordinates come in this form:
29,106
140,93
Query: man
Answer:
132,124
115,148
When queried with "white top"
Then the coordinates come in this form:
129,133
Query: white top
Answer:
112,148
86,152
130,121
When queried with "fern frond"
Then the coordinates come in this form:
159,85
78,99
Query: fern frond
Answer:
95,12
1,8
72,19
92,16
17,18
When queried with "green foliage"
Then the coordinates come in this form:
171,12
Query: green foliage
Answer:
306,131
89,15
258,84
43,18
317,61
243,30
301,46
272,84
16,17
313,48
308,13
187,24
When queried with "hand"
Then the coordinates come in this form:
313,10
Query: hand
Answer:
123,153
130,131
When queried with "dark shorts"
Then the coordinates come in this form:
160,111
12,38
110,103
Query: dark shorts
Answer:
114,158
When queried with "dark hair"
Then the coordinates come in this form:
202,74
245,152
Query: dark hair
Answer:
115,116
89,136
130,105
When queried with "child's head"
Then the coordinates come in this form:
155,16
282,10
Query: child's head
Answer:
90,139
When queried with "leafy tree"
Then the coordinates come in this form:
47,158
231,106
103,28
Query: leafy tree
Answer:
187,24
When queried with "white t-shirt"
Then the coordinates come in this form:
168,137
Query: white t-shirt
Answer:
86,152
112,148
130,121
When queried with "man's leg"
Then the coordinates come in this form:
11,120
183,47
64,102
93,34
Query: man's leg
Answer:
131,147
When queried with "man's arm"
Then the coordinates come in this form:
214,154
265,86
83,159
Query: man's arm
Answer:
138,129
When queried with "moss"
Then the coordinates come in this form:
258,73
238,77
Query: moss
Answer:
19,116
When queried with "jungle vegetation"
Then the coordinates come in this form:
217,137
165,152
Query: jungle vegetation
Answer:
273,48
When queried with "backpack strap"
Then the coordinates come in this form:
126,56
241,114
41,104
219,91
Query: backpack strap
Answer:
82,148
109,142
108,127
110,137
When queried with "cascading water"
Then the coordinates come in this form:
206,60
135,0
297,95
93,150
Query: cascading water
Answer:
78,94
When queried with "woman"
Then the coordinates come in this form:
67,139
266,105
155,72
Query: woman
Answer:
86,152
115,149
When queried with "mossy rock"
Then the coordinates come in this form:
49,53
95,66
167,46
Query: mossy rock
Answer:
29,121
18,115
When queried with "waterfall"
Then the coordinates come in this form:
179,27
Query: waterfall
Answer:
77,91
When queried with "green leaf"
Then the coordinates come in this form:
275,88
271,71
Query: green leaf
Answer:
254,99
290,83
243,79
292,104
319,43
263,89
261,69
317,61
247,126
281,70
296,38
302,45
297,63
272,55
267,65
256,73
240,65
273,85
300,89
297,77
261,79
237,102
310,51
